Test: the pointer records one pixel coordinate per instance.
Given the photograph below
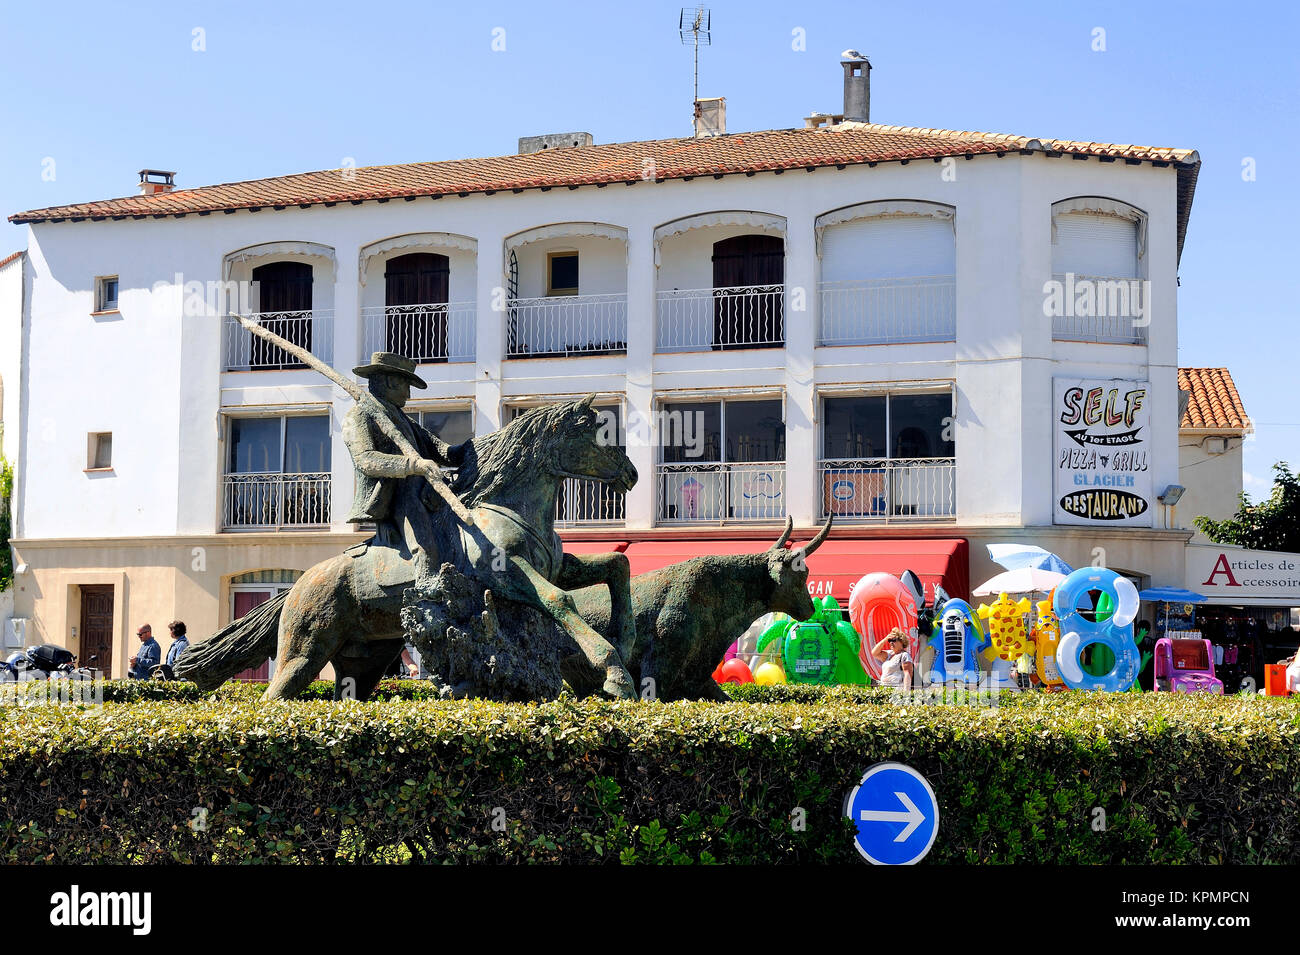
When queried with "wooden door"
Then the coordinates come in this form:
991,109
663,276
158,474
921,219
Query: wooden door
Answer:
95,647
283,287
748,318
416,288
245,601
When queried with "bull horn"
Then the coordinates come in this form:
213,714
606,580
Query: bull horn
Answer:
587,401
816,542
785,535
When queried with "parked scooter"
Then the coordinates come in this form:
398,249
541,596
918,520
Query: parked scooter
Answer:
43,662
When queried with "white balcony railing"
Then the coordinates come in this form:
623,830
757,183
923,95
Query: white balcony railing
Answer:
743,316
885,311
890,490
426,333
561,325
312,329
272,501
694,493
589,502
1114,310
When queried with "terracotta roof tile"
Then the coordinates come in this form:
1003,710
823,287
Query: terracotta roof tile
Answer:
845,144
1214,404
12,258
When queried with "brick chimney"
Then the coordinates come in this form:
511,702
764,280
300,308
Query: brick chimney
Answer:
857,89
155,181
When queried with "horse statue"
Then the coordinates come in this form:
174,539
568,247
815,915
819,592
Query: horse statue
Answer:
347,610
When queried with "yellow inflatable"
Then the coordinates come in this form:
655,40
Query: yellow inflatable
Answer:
769,674
1046,634
1006,629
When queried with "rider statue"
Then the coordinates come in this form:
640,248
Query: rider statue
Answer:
393,489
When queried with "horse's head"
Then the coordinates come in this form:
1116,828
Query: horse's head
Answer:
583,443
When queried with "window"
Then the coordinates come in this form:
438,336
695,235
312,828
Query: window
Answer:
106,293
99,456
1102,246
888,426
722,460
889,277
562,273
889,455
277,472
453,425
415,300
284,302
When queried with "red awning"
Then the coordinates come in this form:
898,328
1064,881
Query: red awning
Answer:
645,556
595,547
834,567
839,564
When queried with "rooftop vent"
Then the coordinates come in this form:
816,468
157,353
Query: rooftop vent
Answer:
548,141
155,181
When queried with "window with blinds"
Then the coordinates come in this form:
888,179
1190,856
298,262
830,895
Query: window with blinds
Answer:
886,247
1093,244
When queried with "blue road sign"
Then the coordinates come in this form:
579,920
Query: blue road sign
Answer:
896,814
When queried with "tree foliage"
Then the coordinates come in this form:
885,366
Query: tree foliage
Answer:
6,555
1272,524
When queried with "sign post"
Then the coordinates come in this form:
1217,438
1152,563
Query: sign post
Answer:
896,813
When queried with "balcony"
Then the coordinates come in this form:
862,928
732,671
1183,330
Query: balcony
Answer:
442,332
273,501
889,491
717,493
312,329
1119,307
889,311
584,502
743,316
564,326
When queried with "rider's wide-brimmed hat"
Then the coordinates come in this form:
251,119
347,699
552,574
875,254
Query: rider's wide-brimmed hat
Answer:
390,363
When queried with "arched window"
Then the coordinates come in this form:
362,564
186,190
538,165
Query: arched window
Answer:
888,273
415,305
284,299
748,292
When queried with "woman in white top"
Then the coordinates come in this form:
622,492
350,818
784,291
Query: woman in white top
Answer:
895,661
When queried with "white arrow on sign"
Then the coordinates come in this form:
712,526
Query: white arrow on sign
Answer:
912,816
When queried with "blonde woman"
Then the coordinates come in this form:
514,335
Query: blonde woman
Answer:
895,661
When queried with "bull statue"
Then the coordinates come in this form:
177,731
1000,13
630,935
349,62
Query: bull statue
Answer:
687,614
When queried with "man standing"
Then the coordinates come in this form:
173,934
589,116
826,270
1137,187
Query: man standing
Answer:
147,657
392,487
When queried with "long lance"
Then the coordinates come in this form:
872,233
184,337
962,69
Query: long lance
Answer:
369,403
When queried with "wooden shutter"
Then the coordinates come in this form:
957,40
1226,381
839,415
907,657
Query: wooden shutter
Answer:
418,279
283,287
748,319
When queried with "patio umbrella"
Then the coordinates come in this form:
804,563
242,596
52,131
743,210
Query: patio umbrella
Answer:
1172,595
1016,556
1025,580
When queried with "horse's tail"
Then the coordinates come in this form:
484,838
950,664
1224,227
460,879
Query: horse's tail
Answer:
243,644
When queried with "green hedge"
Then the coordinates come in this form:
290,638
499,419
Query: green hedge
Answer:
1181,779
178,691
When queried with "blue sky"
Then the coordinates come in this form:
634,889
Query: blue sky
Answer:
104,89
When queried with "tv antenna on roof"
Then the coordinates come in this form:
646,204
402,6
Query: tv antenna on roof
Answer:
694,27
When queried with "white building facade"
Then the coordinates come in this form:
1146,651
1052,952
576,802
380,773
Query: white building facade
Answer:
798,333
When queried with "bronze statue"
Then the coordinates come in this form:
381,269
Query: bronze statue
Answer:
476,576
347,610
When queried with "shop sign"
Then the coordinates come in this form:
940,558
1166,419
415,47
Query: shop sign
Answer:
1102,451
1243,575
